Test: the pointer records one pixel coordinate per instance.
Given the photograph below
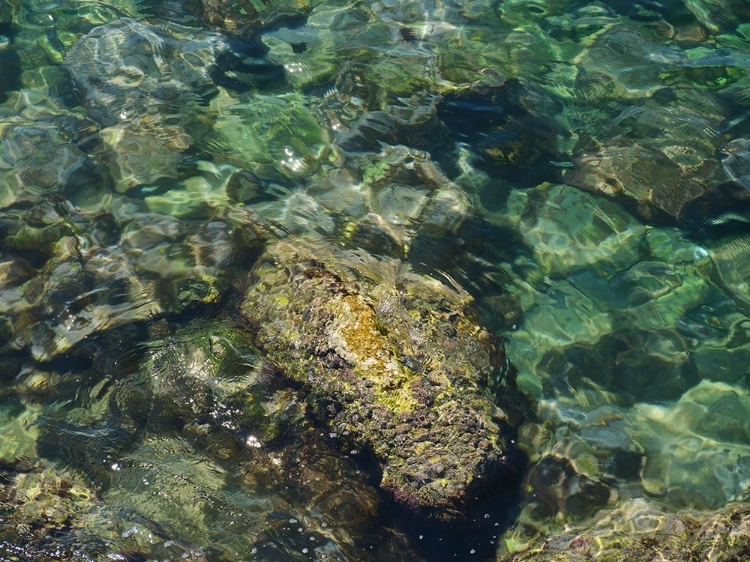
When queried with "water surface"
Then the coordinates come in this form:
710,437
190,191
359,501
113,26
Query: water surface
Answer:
580,169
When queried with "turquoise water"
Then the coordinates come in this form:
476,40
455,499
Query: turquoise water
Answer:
575,174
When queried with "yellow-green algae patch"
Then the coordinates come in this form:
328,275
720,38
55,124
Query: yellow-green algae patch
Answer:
355,334
399,357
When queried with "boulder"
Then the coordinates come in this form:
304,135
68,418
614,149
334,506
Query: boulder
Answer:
396,361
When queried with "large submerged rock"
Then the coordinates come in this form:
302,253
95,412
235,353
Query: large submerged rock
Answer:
395,360
130,69
148,84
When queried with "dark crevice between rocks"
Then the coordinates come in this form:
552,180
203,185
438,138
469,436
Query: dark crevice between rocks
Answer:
492,510
722,211
507,141
653,10
244,68
491,513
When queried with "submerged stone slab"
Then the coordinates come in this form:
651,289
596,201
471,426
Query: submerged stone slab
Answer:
397,361
129,69
640,530
148,83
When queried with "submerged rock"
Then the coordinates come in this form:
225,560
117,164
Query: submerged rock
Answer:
244,18
399,361
37,159
555,487
89,272
35,163
144,83
569,230
696,449
642,530
203,447
390,199
148,84
44,515
128,68
731,260
659,145
276,138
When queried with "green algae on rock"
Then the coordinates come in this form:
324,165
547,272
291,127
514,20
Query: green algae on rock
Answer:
401,363
44,511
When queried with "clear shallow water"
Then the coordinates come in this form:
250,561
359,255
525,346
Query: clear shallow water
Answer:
581,169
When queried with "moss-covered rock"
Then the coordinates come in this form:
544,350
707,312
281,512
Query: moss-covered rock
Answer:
401,361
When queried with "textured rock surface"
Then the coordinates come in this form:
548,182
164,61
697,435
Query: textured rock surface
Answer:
148,84
37,159
643,531
244,18
129,69
399,362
